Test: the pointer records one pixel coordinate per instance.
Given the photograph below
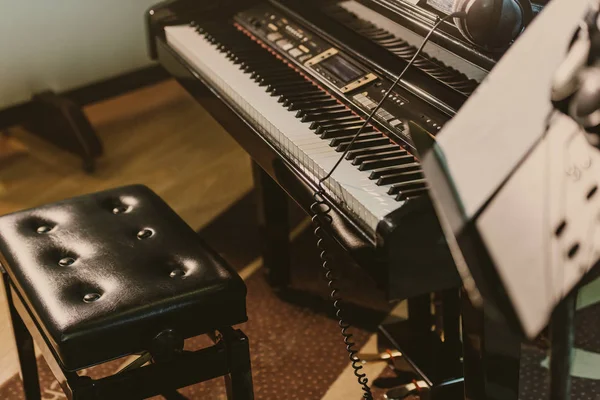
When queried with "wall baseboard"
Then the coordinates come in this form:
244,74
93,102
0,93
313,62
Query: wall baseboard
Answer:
97,91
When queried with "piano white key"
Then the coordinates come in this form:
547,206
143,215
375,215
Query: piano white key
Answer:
359,195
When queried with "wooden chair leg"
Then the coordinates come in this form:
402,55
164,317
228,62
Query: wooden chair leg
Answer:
25,348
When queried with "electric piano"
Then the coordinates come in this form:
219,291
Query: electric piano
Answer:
292,81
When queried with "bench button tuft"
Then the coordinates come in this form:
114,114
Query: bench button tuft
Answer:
91,297
177,273
120,209
65,262
144,233
43,229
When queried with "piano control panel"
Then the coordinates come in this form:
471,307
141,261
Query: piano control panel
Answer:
339,72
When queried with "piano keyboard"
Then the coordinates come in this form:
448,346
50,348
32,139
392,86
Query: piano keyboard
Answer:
394,38
305,123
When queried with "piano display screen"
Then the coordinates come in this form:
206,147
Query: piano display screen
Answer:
341,69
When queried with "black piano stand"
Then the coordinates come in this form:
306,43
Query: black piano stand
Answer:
484,367
433,360
492,355
274,228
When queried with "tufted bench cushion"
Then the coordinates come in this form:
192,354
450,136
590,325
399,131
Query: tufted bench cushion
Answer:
103,274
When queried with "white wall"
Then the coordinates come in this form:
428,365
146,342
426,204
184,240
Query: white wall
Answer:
62,44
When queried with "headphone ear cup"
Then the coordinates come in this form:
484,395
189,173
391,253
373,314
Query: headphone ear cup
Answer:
461,6
490,24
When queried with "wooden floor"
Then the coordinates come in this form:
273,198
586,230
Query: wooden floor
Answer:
158,136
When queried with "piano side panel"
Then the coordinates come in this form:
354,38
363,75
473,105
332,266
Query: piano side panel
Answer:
414,244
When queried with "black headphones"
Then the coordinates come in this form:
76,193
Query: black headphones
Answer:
492,24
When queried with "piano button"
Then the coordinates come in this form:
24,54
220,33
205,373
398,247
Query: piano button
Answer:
376,156
408,185
295,52
274,36
399,177
352,154
325,115
386,162
395,122
347,139
377,173
409,194
289,91
362,144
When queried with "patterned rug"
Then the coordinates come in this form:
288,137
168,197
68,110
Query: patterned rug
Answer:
295,344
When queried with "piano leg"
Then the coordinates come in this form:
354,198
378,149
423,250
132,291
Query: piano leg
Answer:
492,355
433,360
274,228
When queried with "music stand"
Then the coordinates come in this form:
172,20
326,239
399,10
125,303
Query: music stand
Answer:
515,186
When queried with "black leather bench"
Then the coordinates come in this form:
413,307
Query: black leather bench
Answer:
117,273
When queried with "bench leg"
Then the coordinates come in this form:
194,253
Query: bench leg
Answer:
239,381
25,348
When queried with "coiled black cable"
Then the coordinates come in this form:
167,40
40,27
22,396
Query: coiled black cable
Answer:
321,209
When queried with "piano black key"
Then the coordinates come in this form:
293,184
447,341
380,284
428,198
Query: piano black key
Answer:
325,115
377,173
399,177
274,74
407,185
330,133
307,95
297,105
305,111
409,194
277,90
352,154
258,65
347,139
362,144
386,162
273,77
375,156
391,41
350,121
